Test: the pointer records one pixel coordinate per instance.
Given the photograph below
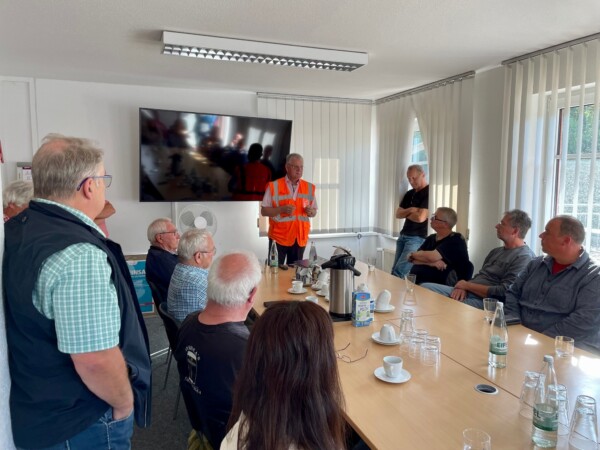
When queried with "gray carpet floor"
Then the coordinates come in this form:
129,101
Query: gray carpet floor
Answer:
164,433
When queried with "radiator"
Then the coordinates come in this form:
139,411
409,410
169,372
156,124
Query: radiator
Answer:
387,259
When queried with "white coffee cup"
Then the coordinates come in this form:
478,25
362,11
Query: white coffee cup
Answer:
323,277
324,289
392,366
297,286
387,333
383,299
312,298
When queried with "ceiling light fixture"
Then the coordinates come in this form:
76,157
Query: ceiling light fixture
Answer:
227,49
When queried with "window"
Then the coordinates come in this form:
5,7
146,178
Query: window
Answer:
419,154
576,168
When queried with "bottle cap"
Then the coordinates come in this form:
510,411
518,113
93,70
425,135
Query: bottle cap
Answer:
548,358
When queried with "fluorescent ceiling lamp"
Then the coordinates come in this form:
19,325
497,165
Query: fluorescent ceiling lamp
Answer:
226,49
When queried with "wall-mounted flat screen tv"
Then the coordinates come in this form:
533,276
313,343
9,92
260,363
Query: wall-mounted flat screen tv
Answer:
200,157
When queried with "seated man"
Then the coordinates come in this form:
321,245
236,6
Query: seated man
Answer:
16,197
501,266
187,290
211,345
162,257
443,256
558,294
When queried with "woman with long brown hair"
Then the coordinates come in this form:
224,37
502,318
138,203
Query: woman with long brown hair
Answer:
288,393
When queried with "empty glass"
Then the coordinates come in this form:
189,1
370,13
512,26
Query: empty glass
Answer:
430,352
528,394
584,428
410,279
564,346
557,395
410,297
371,262
415,346
474,439
489,307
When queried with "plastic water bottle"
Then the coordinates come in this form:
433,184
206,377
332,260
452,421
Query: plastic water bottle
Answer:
545,412
498,339
312,254
274,258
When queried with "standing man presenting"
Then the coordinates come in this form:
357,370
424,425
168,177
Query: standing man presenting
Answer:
290,202
414,210
78,348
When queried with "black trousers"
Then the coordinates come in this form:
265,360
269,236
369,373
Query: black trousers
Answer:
293,253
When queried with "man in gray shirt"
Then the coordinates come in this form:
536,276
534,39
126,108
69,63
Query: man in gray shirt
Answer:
501,266
559,294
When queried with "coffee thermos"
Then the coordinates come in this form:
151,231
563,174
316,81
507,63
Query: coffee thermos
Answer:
341,284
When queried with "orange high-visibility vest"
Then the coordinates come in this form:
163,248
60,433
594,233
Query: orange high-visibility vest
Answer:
285,229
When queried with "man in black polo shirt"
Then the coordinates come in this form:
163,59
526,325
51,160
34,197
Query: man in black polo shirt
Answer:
414,210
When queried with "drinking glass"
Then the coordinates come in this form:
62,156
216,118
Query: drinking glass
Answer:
410,279
557,395
415,346
405,338
489,307
564,346
474,439
371,262
528,394
410,297
584,428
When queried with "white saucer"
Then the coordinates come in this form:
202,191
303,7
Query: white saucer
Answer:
376,338
316,287
403,378
390,308
291,291
322,294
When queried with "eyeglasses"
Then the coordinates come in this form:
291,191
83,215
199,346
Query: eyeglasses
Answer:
346,358
213,251
434,217
175,232
107,180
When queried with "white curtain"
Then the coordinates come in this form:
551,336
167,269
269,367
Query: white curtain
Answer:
394,145
334,138
445,119
549,158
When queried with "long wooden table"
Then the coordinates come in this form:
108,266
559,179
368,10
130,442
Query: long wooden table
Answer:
431,409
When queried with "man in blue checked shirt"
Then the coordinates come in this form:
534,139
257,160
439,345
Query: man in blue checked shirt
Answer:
187,290
78,347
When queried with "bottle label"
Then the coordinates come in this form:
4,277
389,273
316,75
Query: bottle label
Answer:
545,417
498,346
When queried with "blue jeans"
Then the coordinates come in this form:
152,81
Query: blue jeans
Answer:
471,299
104,434
404,246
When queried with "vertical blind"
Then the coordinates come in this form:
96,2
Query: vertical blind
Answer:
550,138
334,138
444,115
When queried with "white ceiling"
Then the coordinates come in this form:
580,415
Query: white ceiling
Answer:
409,42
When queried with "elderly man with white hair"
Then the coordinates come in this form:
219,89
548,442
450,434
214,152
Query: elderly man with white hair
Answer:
162,255
211,345
16,197
187,290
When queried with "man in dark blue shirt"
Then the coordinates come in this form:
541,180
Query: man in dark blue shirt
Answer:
162,255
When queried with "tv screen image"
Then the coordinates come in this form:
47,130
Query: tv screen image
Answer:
199,157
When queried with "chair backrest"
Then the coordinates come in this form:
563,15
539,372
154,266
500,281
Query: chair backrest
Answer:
156,295
171,326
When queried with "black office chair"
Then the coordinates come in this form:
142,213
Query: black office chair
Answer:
171,329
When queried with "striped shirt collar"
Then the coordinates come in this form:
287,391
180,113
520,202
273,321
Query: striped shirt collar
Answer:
81,216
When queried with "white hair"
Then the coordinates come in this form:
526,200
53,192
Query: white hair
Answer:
157,226
192,241
232,277
18,193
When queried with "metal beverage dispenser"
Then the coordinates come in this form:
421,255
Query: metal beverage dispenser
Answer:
341,284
